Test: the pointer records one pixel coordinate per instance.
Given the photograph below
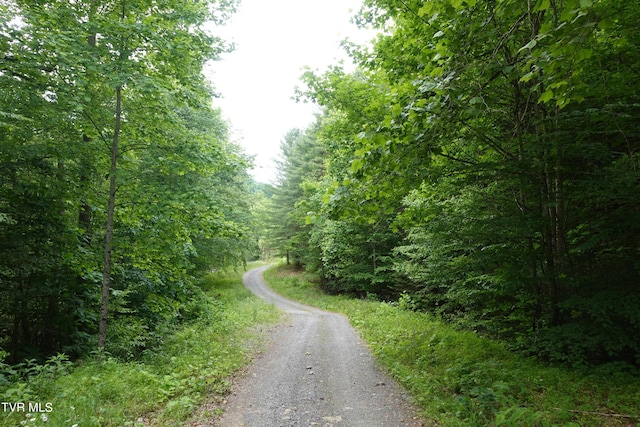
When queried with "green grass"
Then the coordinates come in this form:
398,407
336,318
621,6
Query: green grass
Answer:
165,388
460,379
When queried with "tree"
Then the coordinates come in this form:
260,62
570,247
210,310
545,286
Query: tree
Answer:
301,163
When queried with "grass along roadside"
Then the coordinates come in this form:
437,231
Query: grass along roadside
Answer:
460,379
164,389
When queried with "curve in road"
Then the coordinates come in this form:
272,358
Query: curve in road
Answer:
316,372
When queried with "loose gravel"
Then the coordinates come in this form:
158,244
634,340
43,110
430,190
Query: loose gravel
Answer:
316,371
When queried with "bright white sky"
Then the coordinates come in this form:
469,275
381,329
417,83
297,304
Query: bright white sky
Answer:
274,41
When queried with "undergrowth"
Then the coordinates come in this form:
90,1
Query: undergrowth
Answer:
162,389
458,378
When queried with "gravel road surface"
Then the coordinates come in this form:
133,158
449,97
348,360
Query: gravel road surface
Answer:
315,372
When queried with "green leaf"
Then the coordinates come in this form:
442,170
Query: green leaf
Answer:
527,77
356,165
457,4
542,5
426,9
558,84
436,72
529,45
546,96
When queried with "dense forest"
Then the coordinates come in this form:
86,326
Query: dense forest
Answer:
474,175
119,187
481,162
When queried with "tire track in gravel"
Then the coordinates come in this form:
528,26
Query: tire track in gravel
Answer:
315,372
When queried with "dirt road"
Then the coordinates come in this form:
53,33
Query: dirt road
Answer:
315,372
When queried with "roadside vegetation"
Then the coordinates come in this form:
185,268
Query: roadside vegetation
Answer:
483,159
164,387
460,378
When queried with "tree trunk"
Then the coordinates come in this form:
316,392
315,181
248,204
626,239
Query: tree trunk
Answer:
106,272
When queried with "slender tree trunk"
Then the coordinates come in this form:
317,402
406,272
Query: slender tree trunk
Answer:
551,238
106,272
